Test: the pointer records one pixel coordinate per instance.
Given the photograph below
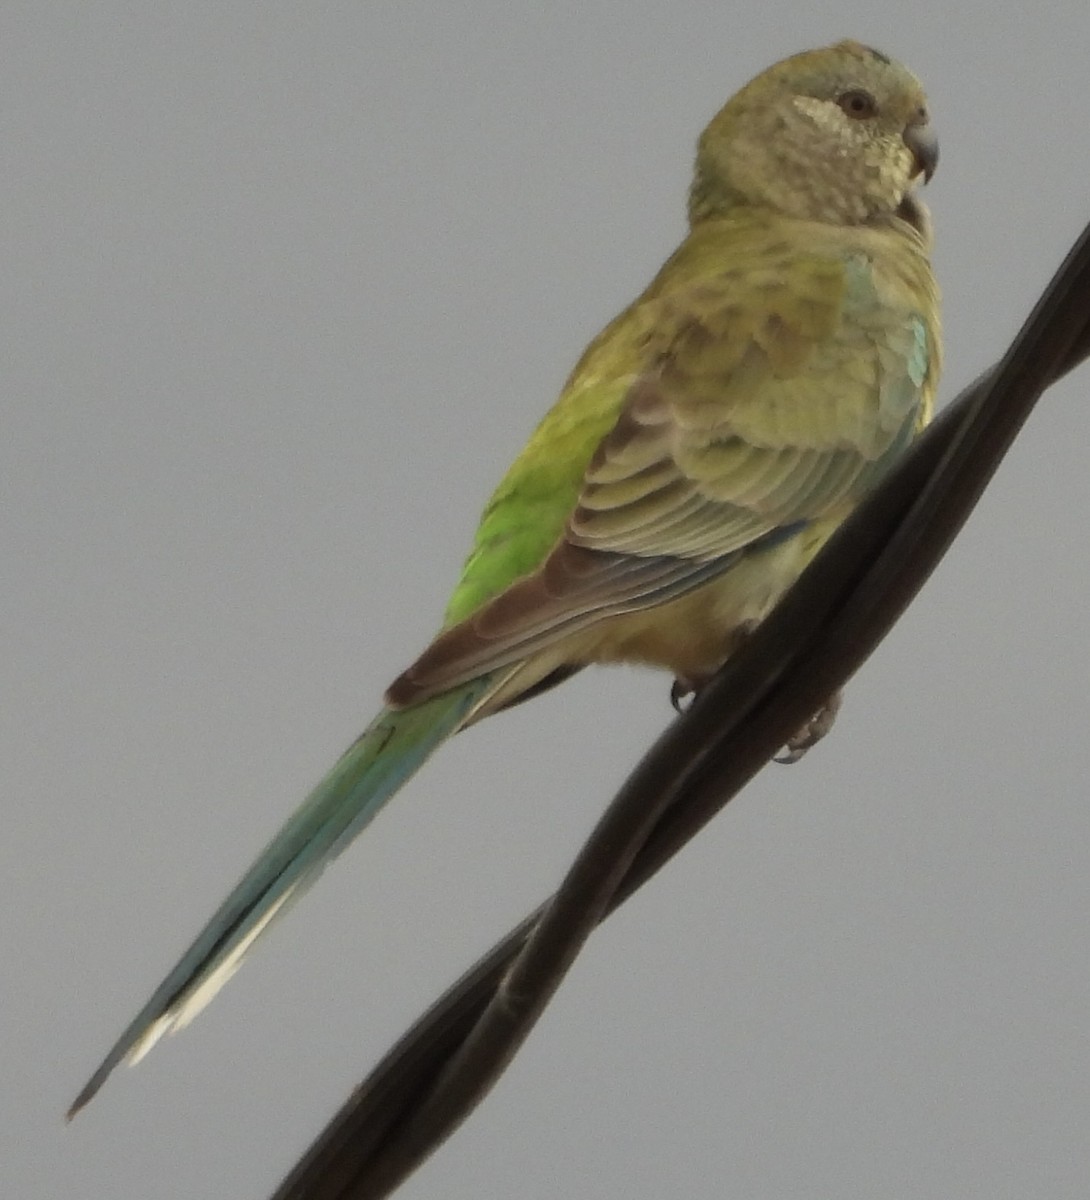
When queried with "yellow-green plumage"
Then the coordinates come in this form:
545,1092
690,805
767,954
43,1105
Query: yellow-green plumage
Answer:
790,360
789,321
705,445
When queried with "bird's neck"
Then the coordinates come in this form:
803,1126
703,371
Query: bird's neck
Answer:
712,199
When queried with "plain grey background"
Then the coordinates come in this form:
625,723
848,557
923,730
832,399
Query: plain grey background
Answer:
284,289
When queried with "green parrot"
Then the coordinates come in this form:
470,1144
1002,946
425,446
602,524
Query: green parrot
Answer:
704,447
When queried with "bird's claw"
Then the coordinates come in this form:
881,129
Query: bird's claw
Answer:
684,691
812,732
682,694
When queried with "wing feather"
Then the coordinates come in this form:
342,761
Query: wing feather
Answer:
759,409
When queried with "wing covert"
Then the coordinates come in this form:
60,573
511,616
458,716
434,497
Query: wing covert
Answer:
765,403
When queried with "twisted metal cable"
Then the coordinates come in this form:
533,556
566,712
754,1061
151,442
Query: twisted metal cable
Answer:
813,641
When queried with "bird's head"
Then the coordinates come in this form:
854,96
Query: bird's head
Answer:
840,134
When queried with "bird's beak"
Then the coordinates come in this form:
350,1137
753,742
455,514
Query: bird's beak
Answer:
920,138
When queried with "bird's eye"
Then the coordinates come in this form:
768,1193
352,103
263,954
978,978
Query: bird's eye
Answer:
858,104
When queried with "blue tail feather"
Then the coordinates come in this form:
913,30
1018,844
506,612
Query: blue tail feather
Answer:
371,770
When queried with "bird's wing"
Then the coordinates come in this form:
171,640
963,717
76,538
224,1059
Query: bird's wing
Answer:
773,400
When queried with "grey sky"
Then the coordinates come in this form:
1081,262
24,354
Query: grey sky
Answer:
285,287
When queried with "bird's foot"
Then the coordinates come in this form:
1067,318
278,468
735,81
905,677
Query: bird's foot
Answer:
812,732
684,690
682,694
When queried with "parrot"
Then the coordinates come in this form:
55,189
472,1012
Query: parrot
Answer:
706,444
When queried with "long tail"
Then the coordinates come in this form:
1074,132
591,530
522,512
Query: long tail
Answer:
371,770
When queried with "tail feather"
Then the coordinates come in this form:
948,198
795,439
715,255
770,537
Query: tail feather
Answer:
371,770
